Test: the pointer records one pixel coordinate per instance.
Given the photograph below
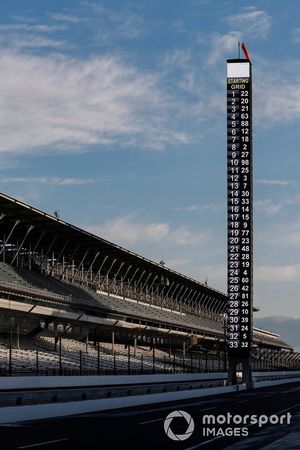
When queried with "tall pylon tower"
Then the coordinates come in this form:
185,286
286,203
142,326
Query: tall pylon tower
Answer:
239,324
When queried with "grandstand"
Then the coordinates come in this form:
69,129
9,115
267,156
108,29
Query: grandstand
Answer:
72,303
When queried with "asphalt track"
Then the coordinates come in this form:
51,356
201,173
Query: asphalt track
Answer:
143,427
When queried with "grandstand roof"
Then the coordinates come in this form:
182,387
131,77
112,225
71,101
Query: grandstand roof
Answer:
56,232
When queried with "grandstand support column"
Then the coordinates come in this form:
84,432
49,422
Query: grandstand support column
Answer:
9,235
37,363
124,277
113,341
186,289
58,258
174,290
188,299
205,304
10,354
80,264
29,257
98,358
140,279
176,299
153,355
29,229
132,278
167,293
87,341
183,349
134,346
60,361
129,359
38,241
3,256
147,279
192,299
18,334
99,270
107,273
90,269
80,362
118,271
71,260
50,247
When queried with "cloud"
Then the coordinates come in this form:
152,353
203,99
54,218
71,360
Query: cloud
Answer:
284,236
273,182
68,104
267,207
277,97
282,274
48,180
125,24
30,35
20,41
253,22
128,231
65,17
212,207
223,45
295,36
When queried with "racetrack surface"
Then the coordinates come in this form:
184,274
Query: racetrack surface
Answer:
143,427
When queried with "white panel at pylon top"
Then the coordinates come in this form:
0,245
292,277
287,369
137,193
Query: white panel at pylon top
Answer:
238,70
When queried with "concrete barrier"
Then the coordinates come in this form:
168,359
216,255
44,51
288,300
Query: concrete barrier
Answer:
34,412
44,382
120,391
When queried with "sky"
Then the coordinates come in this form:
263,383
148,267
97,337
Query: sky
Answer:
113,113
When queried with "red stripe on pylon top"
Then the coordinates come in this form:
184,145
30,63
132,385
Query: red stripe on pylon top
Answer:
244,48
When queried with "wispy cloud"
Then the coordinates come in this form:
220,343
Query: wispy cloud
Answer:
124,23
128,231
212,207
273,182
221,45
62,17
278,98
285,274
47,180
295,36
252,22
20,41
268,207
69,104
30,35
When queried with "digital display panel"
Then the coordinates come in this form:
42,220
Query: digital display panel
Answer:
239,203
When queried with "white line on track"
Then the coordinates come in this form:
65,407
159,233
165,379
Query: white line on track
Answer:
163,418
43,443
207,409
150,421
